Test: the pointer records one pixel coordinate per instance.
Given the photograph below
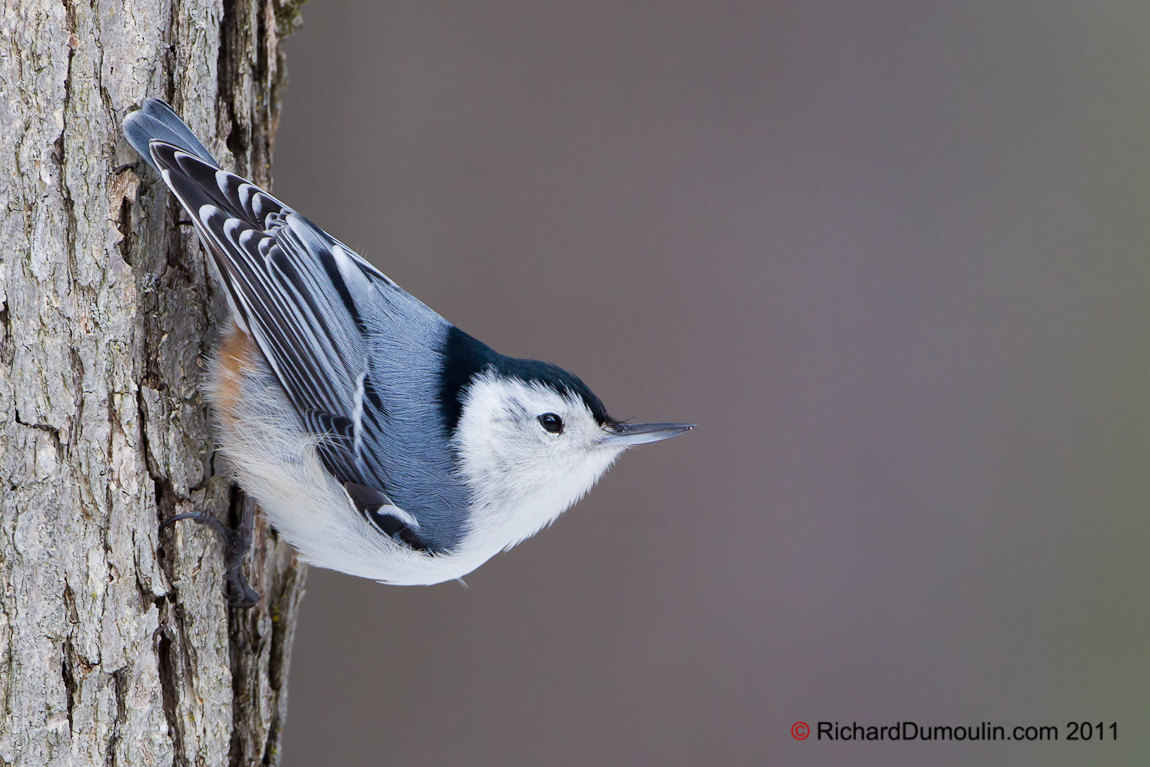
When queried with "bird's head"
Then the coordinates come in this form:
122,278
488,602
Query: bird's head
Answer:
530,432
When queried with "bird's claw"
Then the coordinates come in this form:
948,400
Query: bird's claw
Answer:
236,544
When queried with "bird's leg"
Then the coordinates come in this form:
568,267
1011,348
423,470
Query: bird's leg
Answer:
242,594
236,544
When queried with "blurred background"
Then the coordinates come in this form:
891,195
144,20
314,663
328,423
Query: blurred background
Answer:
892,257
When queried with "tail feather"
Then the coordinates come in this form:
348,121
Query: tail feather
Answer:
156,121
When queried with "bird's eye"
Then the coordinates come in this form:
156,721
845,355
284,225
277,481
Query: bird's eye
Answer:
551,422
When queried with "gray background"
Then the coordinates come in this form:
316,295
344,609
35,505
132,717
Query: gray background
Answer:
892,257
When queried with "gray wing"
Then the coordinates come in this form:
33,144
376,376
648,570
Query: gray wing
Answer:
297,292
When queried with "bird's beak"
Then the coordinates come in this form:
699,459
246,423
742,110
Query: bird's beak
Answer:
631,434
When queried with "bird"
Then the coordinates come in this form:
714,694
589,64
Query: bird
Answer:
379,439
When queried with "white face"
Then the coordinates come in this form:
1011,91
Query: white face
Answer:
528,453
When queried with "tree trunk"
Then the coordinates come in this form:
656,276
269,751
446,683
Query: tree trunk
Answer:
116,644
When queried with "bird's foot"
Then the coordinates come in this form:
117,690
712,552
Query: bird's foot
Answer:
236,544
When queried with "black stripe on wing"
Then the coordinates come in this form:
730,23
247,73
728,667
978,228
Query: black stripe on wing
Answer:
385,516
227,191
289,326
244,200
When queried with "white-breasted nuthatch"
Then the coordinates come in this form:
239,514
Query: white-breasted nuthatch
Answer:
379,439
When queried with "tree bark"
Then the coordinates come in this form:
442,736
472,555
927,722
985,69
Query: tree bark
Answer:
117,646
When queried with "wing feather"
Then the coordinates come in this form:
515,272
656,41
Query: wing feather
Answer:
289,283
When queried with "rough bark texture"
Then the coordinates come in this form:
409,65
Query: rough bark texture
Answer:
116,644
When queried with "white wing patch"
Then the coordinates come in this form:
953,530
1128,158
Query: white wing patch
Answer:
357,417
